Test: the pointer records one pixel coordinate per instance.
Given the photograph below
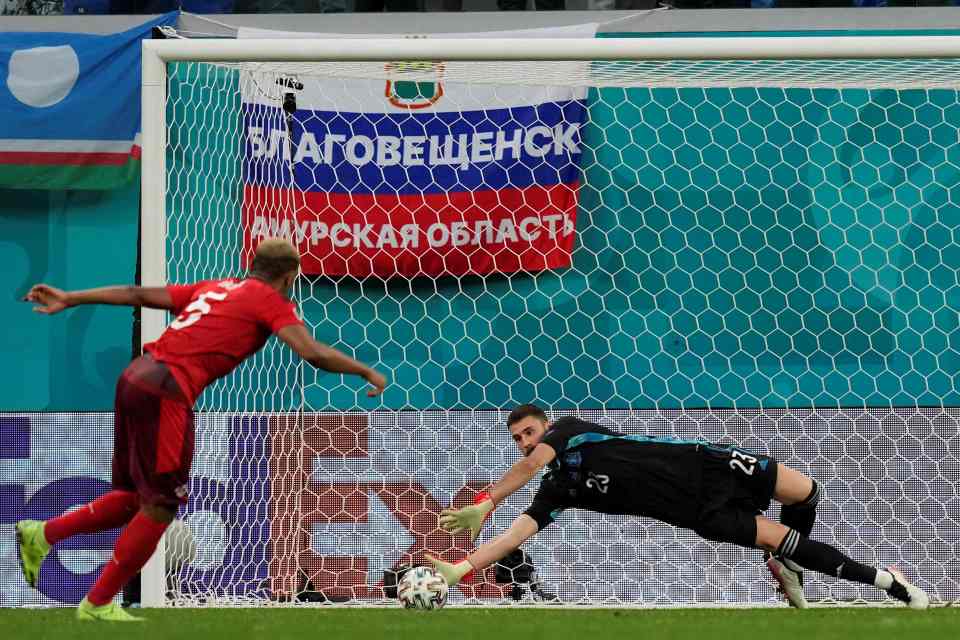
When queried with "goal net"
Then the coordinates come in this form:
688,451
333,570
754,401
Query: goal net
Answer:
761,252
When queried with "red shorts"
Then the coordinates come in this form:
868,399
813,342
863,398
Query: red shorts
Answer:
152,435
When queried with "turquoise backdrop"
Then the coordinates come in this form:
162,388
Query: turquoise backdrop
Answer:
735,248
71,239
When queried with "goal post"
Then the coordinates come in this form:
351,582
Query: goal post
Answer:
153,254
744,240
546,49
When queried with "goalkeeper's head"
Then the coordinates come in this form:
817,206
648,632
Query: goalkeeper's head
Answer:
528,424
277,262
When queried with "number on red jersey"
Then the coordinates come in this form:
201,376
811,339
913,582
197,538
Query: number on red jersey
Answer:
200,307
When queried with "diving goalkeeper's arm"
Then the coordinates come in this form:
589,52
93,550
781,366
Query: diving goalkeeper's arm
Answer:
488,553
471,518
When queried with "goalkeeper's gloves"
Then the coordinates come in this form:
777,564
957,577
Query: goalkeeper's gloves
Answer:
472,517
452,573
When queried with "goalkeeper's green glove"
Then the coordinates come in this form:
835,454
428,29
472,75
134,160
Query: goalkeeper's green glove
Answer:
452,573
472,517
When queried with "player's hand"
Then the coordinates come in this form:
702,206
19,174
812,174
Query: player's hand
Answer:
49,299
377,380
452,573
468,518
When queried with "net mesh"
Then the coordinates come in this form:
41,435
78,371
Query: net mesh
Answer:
759,253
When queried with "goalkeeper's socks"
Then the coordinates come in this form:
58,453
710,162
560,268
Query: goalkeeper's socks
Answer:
823,558
132,550
884,580
109,511
802,515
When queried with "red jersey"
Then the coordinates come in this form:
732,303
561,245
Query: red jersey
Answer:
219,324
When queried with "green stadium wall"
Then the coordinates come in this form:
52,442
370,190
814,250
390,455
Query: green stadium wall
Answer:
751,215
821,291
70,239
812,223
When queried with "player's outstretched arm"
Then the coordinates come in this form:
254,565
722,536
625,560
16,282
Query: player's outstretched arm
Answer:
329,359
50,300
486,554
471,518
522,472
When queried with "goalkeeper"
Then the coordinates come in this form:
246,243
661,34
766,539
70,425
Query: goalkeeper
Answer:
718,491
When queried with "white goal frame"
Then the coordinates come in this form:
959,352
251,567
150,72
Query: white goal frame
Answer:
157,53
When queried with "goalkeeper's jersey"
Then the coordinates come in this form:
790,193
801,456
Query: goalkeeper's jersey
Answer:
601,470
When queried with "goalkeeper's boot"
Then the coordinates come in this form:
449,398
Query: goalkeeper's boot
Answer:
790,580
902,590
111,612
32,549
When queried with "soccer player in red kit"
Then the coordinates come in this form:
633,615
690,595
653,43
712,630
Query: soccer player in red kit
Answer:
219,323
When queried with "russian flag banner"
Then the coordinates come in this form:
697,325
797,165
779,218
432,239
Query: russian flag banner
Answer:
394,177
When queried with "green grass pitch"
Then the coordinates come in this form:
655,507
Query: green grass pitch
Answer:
488,624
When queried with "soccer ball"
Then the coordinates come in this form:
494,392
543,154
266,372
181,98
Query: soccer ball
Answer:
422,588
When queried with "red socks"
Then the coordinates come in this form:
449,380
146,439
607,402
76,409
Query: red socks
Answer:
109,511
132,550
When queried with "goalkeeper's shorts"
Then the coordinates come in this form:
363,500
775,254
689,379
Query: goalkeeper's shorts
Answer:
736,487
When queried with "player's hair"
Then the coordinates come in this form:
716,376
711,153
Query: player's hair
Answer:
274,259
525,411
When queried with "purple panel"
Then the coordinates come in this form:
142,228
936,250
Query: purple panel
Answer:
14,437
56,581
243,505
